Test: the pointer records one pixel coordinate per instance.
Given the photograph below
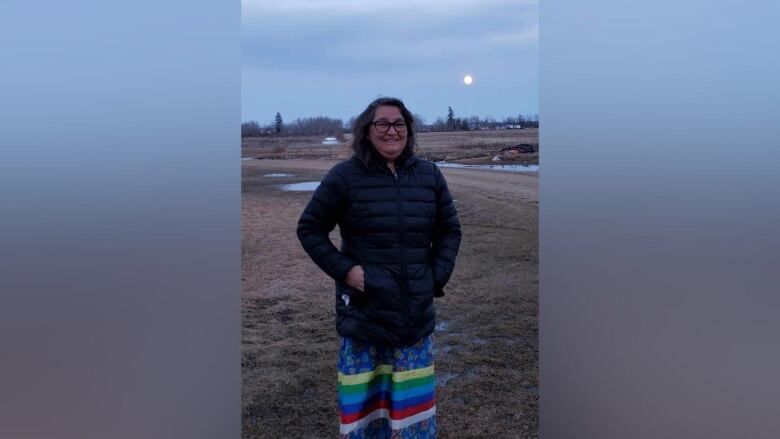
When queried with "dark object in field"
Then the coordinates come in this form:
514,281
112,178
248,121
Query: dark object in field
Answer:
523,147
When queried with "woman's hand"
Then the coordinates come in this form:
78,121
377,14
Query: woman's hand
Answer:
356,278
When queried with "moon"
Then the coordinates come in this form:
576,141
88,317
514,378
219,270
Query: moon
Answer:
468,79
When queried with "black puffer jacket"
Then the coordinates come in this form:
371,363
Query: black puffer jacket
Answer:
402,229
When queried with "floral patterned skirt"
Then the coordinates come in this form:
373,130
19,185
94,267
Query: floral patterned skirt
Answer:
387,392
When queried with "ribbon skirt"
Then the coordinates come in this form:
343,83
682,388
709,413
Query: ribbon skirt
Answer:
386,392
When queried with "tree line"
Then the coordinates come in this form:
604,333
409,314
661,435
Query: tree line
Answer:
319,125
327,126
474,123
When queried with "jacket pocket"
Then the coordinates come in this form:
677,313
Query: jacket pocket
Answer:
381,288
348,297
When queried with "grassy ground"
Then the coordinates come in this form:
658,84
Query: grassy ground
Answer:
457,146
487,331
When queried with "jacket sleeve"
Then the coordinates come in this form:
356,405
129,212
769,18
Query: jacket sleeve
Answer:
319,218
446,235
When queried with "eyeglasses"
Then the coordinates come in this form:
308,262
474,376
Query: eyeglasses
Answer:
383,126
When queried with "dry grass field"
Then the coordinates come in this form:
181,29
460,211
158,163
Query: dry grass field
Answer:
458,146
487,328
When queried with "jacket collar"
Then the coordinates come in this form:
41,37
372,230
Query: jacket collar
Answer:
401,163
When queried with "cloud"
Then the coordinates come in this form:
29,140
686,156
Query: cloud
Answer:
307,57
515,38
452,47
252,8
307,40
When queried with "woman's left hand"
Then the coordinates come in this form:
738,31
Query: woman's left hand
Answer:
356,278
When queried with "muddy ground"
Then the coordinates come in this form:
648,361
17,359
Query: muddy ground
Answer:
487,332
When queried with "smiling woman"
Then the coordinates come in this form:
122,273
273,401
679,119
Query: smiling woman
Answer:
307,59
400,235
389,133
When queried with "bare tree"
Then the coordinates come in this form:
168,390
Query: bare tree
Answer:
315,125
250,129
439,124
531,120
350,124
419,121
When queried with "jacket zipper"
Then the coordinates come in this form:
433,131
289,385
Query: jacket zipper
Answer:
403,248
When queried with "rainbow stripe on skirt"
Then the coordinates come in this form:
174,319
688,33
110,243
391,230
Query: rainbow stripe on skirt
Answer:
386,392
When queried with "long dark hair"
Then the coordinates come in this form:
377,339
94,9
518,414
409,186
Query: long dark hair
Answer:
361,142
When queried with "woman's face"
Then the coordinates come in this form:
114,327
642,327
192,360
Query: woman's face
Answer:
391,143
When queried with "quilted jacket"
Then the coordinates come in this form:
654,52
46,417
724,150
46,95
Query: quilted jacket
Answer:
402,228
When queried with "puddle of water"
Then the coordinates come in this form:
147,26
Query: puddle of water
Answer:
530,388
442,325
301,187
248,158
277,175
526,340
479,341
443,349
443,378
506,168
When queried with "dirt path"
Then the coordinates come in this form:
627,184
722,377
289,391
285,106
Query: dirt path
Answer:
487,331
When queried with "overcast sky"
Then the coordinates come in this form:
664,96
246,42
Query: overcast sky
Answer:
306,58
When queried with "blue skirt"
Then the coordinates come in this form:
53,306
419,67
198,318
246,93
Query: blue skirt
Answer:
386,392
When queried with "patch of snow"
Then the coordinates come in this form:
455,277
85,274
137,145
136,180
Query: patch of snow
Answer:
443,378
443,349
442,325
506,168
301,187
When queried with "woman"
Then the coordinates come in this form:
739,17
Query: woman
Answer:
400,235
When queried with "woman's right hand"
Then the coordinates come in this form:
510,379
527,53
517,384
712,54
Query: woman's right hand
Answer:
356,278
